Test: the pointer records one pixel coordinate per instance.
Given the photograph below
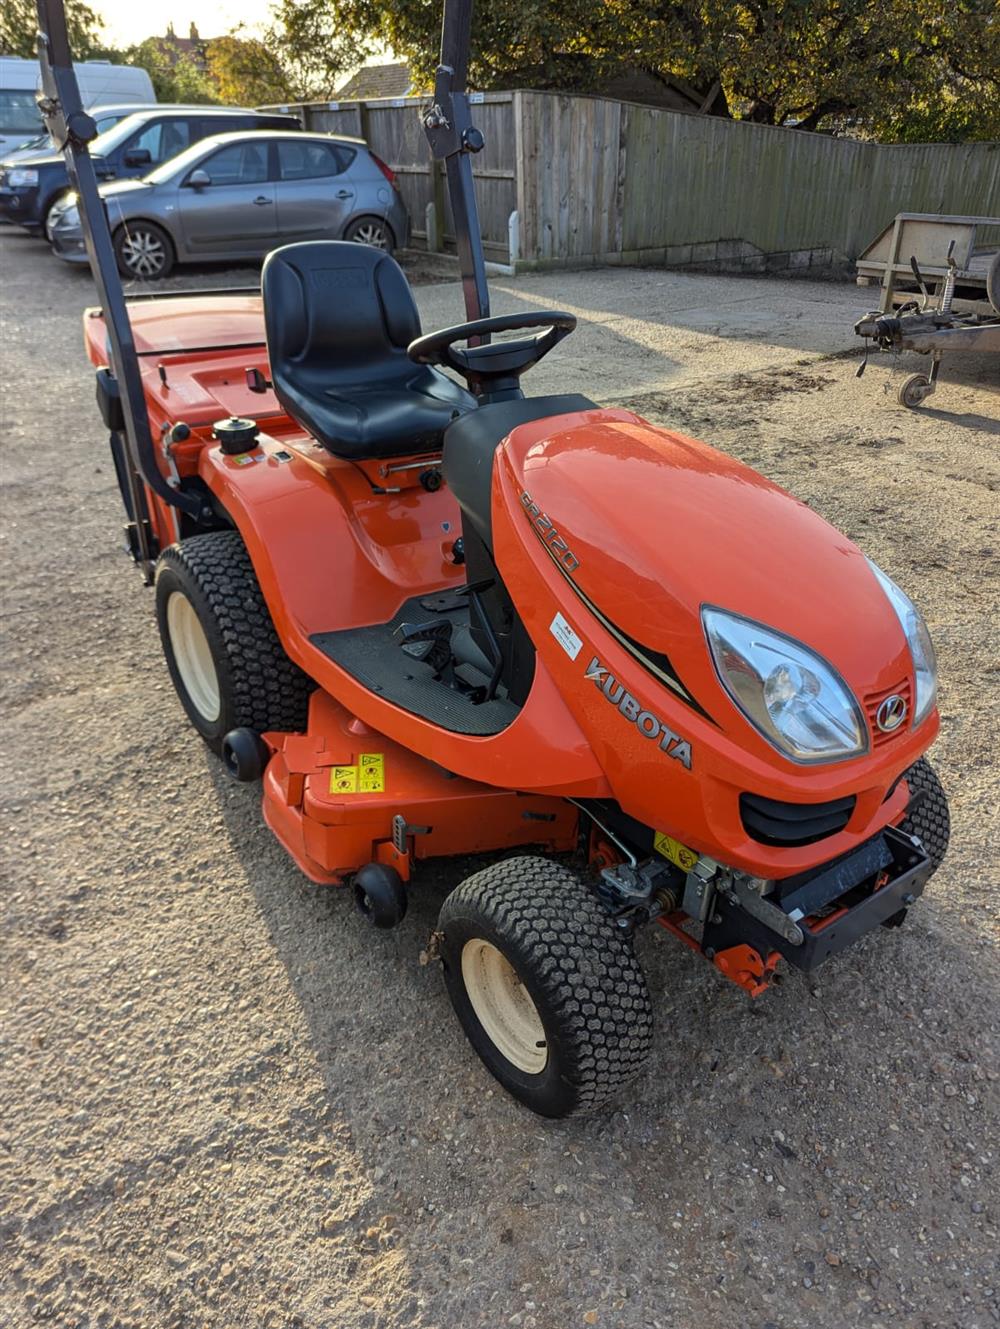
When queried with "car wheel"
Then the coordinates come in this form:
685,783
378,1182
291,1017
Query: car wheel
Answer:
548,990
144,251
372,231
226,662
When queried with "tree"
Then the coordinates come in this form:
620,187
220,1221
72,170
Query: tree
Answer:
891,70
19,29
246,72
176,77
316,45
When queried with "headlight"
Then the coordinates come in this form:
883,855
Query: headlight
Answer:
65,213
20,177
796,700
919,641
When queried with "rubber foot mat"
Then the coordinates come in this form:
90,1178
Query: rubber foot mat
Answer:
373,656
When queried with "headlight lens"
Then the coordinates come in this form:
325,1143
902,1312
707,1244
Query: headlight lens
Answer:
919,641
21,176
65,213
787,692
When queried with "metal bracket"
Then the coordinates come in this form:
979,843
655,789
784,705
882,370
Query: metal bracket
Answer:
741,893
401,830
699,888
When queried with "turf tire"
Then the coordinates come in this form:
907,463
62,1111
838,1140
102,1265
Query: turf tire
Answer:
580,971
927,816
259,687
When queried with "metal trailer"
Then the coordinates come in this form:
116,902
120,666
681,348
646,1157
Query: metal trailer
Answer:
940,291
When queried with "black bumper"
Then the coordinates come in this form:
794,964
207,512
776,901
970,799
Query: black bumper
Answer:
833,906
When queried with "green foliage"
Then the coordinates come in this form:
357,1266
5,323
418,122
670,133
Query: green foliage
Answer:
899,69
19,28
246,72
176,77
316,48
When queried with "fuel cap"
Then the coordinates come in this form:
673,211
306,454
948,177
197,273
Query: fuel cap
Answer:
235,435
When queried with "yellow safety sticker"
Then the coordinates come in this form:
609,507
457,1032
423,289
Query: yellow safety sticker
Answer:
678,853
343,779
371,773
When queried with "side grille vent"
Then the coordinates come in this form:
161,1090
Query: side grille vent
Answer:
769,821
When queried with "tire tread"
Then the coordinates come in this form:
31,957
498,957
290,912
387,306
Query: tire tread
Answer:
584,965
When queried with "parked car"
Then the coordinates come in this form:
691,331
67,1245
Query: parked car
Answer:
105,118
237,196
29,188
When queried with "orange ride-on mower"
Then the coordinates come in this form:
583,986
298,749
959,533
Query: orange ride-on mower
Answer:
438,617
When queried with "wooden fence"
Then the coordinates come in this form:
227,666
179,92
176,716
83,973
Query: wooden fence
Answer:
394,131
598,181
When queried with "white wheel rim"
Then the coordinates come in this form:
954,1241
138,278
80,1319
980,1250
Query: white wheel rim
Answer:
504,1007
193,657
143,253
370,233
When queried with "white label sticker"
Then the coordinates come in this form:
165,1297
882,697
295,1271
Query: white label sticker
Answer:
565,636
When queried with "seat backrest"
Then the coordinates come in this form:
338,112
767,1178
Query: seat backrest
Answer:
334,312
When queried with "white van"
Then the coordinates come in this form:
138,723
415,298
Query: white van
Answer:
100,83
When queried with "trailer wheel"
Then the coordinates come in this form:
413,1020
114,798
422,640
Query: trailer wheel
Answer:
546,987
993,283
914,390
224,656
927,816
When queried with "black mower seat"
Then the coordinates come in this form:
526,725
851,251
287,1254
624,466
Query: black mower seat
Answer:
338,318
471,443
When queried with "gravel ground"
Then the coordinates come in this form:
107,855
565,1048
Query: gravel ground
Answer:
226,1102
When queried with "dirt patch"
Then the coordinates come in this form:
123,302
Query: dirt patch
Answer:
226,1102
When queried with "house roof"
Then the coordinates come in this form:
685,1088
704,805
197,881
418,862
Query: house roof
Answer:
374,81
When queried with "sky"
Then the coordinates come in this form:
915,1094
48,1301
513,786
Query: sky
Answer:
127,22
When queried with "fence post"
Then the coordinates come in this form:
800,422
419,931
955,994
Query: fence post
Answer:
514,237
433,228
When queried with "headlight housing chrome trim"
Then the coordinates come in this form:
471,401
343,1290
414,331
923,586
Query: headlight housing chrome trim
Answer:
918,640
788,692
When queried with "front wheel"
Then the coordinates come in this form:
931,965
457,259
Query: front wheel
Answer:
546,987
914,390
224,656
144,251
371,231
927,816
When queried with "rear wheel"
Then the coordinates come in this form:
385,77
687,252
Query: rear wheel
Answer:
144,251
546,987
372,231
927,816
226,662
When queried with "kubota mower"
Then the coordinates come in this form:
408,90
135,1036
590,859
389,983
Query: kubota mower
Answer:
439,617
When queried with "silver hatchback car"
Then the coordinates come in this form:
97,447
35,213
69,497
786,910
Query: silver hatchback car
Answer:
237,196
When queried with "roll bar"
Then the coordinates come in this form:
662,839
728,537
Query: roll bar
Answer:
453,138
72,129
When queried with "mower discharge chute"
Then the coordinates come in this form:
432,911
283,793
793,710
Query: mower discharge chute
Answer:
439,619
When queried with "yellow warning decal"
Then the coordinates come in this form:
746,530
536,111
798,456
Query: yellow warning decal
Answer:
678,853
371,773
343,779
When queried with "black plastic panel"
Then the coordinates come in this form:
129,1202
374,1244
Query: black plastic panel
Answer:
769,821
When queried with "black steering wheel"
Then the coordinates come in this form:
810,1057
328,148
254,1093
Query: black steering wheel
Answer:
493,366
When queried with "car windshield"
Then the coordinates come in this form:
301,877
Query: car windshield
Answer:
18,112
113,138
184,161
33,144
